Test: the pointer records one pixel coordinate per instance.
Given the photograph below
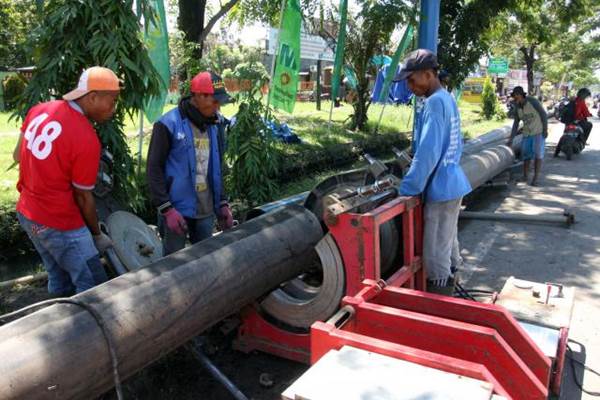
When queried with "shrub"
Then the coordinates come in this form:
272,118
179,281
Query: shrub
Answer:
250,75
14,86
500,112
251,152
13,239
490,101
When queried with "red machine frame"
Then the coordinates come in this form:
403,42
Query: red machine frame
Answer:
397,317
357,237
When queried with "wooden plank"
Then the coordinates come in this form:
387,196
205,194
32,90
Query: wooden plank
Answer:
355,374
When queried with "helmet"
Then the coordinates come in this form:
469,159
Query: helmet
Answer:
583,93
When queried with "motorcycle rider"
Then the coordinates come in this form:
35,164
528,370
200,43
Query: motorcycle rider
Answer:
582,112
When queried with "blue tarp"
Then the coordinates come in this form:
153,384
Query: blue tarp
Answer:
280,132
399,91
283,132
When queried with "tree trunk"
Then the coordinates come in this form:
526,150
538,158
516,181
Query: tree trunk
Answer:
211,23
361,104
191,21
529,55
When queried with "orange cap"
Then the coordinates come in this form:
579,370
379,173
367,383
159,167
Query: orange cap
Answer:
94,78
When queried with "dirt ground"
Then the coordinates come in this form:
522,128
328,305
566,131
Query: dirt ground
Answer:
493,252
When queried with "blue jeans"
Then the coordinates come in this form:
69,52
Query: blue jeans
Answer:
198,230
70,257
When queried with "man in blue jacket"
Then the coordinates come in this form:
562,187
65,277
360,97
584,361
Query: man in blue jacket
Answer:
435,172
184,165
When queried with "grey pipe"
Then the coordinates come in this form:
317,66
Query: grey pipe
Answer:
497,136
59,352
566,218
486,164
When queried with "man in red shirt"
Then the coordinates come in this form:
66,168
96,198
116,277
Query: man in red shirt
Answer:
582,112
58,154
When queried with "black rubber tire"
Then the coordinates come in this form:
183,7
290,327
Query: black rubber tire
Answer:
568,149
288,306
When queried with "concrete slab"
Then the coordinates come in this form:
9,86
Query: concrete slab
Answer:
494,251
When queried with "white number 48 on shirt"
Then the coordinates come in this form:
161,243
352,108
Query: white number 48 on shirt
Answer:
41,145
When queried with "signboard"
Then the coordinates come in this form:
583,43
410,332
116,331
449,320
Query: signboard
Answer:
311,47
498,65
472,89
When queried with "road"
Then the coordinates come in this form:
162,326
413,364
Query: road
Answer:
494,251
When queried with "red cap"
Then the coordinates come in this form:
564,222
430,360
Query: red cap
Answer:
210,83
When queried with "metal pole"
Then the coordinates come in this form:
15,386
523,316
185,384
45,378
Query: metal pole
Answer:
567,217
318,85
140,142
429,22
330,114
196,348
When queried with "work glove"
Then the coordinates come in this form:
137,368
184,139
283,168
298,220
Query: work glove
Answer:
175,221
102,242
225,217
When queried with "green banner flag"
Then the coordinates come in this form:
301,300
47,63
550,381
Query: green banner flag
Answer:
351,77
284,84
157,43
339,50
393,67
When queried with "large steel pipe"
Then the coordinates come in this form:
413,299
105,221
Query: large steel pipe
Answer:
486,164
60,353
497,136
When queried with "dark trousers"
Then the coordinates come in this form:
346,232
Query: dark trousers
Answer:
587,128
198,229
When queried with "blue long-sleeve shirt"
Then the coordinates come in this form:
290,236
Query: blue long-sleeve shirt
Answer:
435,171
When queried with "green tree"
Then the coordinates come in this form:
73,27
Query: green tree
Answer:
369,34
575,54
17,19
223,57
191,20
464,34
532,25
245,12
76,35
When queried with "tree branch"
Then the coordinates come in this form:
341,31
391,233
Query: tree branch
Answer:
211,23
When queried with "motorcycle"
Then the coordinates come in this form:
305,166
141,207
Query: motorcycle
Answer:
559,107
571,142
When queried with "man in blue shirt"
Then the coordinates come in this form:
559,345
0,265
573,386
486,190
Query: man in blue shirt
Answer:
435,172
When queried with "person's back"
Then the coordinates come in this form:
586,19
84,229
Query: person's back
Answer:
53,159
582,112
530,115
443,145
58,152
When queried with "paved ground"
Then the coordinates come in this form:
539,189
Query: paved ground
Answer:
494,251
